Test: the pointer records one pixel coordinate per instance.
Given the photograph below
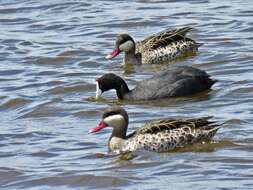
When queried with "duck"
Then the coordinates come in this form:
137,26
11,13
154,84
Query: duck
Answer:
159,136
174,82
159,48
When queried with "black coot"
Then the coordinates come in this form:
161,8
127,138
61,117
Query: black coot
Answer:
173,82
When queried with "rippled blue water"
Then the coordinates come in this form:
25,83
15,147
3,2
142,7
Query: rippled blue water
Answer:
50,54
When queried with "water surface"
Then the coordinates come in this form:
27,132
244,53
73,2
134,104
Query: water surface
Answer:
50,54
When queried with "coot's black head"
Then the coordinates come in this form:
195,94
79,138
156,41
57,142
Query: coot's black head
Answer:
111,81
124,42
108,81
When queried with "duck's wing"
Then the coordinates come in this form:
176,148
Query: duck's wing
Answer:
163,39
171,124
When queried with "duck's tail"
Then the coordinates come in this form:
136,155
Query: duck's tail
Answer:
183,31
199,44
212,82
208,132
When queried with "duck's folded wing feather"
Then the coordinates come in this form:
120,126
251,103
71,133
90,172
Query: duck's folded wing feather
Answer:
201,124
163,39
170,124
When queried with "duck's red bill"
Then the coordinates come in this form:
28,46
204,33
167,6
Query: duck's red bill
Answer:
113,54
100,126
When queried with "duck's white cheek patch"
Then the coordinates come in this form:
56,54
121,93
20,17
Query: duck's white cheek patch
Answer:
127,46
98,91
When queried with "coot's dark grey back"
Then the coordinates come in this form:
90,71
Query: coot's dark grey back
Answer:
179,81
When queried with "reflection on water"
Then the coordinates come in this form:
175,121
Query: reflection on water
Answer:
52,51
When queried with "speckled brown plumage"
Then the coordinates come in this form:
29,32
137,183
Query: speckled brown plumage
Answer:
165,135
166,46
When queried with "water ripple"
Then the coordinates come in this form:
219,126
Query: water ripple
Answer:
50,54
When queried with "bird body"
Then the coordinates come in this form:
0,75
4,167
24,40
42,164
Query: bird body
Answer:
159,48
173,82
158,136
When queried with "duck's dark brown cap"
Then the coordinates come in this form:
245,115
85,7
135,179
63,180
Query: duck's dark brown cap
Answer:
115,110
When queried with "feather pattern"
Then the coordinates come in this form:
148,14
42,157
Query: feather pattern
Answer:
159,136
163,39
156,49
167,134
166,46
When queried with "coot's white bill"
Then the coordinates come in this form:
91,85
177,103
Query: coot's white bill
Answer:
98,91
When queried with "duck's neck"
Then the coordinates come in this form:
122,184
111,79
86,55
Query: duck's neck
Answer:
120,132
132,58
117,139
